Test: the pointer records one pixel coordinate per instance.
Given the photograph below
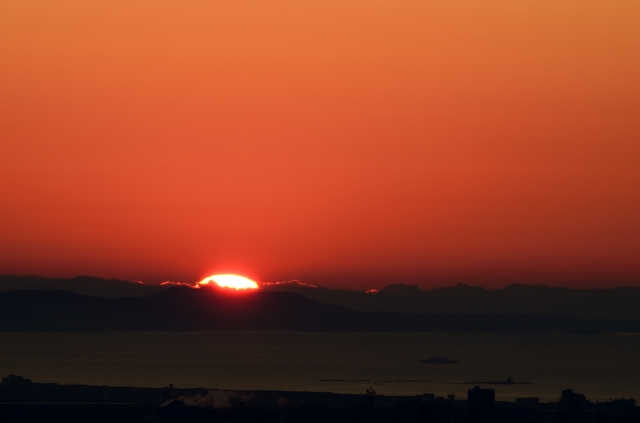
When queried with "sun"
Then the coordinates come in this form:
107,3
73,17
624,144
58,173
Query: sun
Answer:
230,281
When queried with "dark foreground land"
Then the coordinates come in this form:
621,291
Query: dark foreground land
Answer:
24,401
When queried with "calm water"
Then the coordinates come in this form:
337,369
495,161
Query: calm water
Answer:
600,366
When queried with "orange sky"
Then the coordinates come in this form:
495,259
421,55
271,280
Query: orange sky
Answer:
343,143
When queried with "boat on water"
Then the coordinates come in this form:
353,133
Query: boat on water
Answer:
439,360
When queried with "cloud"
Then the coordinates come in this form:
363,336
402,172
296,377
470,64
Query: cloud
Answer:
293,282
179,284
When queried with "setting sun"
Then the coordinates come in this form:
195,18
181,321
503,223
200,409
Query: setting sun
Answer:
230,281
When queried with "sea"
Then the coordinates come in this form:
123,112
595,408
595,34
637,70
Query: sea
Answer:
540,365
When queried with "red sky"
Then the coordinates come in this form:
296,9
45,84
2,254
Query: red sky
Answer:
343,143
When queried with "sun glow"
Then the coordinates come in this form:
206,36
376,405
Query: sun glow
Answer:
230,281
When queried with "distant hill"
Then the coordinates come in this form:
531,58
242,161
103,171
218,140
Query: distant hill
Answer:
86,285
205,309
537,300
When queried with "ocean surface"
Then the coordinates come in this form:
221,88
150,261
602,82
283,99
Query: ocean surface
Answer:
599,366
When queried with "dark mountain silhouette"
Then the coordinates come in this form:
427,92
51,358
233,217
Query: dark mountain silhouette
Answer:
537,300
86,285
188,309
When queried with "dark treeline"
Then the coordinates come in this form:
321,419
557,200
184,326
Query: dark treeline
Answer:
206,309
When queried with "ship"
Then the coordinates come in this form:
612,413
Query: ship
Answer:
439,360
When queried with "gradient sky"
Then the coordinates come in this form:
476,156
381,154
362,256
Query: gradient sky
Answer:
342,143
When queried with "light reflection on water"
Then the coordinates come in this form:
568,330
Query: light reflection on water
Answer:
599,366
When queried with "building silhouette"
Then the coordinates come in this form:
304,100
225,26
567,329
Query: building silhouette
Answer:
573,406
482,405
528,402
14,381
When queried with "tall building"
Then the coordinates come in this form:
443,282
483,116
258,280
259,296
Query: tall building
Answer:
482,405
573,406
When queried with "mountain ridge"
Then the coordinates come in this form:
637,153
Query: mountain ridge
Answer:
515,299
212,309
85,285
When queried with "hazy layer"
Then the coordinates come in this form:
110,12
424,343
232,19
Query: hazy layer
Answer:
601,366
